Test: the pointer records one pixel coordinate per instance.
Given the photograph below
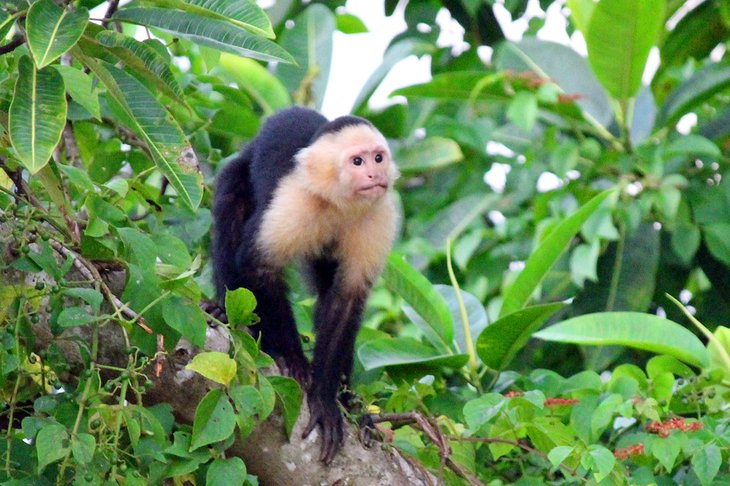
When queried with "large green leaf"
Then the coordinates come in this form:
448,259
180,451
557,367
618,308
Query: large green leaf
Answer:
498,344
542,259
52,30
143,61
310,42
379,353
214,420
257,82
428,154
561,65
37,114
245,14
418,292
620,35
634,329
153,124
207,31
702,85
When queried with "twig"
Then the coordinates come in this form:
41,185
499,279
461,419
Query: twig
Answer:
90,272
433,432
69,142
12,45
113,5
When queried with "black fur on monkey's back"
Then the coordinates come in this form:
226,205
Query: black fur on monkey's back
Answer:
270,156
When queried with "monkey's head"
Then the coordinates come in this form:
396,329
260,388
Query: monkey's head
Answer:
349,162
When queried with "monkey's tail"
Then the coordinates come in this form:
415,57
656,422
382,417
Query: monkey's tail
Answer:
233,204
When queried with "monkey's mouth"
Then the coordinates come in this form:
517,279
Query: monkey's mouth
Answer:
376,189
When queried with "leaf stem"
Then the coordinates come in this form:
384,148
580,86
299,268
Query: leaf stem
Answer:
474,372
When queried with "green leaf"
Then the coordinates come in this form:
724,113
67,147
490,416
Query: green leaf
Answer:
429,154
52,30
545,256
214,420
290,397
310,43
52,444
476,315
240,304
37,114
706,463
231,472
206,31
498,344
462,86
81,88
700,87
186,318
418,292
634,329
481,410
522,110
257,82
91,296
247,15
717,236
215,366
143,61
350,24
599,460
153,124
558,455
666,451
83,447
74,317
379,353
619,37
581,12
692,145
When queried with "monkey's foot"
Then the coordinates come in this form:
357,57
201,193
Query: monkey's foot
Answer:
212,308
328,417
368,432
296,367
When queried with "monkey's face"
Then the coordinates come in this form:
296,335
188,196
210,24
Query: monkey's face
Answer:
353,165
367,169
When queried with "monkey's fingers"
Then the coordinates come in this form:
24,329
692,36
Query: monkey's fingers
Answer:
332,439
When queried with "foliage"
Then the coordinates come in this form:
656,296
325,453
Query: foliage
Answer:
108,150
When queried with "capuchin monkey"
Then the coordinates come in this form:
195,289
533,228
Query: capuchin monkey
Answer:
321,193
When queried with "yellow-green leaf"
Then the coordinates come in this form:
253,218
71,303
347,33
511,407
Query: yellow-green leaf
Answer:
215,366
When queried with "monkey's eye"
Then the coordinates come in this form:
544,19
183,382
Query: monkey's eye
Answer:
379,158
357,160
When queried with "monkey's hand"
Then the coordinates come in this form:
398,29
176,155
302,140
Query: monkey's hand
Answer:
329,418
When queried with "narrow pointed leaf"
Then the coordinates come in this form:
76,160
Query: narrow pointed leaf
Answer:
418,292
634,329
206,31
310,43
52,30
620,35
37,114
379,353
542,259
245,14
143,61
153,124
498,344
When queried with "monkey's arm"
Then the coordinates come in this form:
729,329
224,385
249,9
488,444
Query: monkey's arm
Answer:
338,314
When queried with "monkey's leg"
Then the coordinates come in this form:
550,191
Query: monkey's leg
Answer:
337,317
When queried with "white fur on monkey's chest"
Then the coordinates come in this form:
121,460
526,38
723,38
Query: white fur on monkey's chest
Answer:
298,224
